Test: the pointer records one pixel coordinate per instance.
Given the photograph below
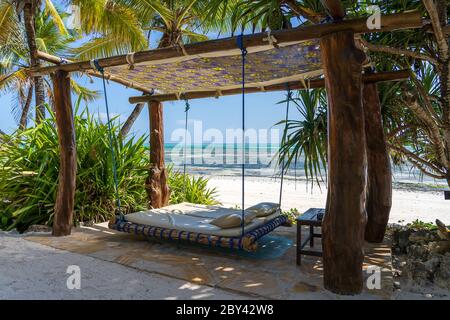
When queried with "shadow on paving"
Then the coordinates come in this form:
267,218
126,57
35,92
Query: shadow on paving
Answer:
270,272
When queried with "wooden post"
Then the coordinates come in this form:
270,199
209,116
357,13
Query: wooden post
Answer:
344,221
379,179
335,9
65,199
156,184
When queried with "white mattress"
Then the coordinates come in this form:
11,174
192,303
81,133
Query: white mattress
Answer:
194,218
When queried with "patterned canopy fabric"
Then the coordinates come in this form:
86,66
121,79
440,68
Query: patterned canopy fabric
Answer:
277,65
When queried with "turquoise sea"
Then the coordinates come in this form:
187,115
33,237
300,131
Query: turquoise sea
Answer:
260,160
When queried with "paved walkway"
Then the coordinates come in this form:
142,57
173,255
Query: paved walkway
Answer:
30,270
269,273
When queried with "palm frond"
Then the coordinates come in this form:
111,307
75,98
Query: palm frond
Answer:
83,92
104,46
51,11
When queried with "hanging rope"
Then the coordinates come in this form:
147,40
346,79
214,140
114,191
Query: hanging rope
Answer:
240,43
96,66
283,166
186,111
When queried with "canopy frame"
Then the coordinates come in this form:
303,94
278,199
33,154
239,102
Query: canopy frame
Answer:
342,250
253,42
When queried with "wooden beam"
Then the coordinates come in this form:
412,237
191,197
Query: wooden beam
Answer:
398,51
50,58
297,85
58,61
65,198
446,29
335,9
156,184
379,173
228,46
344,221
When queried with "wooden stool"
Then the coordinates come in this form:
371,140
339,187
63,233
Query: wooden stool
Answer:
312,219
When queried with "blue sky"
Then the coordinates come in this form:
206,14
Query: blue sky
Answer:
262,110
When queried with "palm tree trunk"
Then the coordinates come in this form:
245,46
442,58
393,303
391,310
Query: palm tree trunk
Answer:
164,42
448,178
444,55
28,13
26,109
131,119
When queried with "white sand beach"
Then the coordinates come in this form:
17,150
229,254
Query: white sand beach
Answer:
408,204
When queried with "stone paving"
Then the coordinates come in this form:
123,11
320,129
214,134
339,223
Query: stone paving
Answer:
263,275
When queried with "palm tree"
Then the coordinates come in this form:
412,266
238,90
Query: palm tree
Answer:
28,9
177,22
44,30
260,15
423,103
306,138
14,54
10,39
184,21
15,60
112,28
417,114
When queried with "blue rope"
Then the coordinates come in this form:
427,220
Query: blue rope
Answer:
186,111
283,166
240,44
111,144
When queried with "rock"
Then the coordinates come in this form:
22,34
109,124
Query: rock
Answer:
432,265
428,295
443,231
418,252
401,237
422,272
440,247
419,236
38,228
417,272
427,259
442,275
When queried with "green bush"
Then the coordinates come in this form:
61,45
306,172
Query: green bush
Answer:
420,225
292,215
190,189
29,166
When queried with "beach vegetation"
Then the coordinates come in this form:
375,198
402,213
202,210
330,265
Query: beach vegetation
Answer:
29,168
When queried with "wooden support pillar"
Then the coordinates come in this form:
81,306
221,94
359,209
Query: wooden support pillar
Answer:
345,218
379,174
156,184
65,198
